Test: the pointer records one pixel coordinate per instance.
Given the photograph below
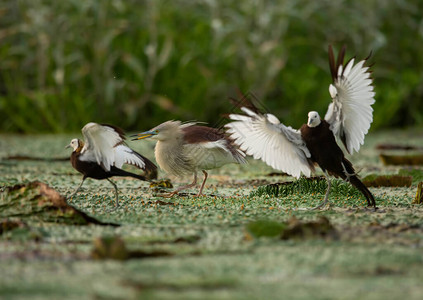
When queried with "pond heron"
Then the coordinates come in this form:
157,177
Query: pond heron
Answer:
183,149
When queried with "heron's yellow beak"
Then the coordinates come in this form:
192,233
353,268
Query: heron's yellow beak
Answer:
143,135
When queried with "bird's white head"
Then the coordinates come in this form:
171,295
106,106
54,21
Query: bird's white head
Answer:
165,131
75,144
313,119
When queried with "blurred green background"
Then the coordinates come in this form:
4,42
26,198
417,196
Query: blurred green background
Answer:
137,63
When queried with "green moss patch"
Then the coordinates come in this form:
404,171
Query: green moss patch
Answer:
315,185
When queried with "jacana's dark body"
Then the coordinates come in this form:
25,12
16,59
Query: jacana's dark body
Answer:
324,151
94,170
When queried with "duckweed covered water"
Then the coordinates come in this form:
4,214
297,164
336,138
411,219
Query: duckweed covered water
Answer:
192,248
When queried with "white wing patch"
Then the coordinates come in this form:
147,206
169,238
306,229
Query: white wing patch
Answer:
265,138
351,113
106,147
125,155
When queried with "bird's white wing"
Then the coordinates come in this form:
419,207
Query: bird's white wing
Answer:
265,138
350,113
100,142
125,155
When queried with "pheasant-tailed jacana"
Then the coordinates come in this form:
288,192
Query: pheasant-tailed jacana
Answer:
185,149
103,154
296,151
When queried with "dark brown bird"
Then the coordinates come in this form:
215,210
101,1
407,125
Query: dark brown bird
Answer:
104,153
185,149
296,151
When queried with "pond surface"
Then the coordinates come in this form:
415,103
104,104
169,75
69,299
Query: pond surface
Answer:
199,248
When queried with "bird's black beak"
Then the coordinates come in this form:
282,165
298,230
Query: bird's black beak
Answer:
143,135
68,146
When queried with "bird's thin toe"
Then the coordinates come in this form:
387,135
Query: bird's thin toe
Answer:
168,195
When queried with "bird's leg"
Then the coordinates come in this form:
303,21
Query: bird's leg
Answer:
348,175
325,201
76,191
194,182
204,182
116,192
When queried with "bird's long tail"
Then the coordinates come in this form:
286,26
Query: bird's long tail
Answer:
362,188
119,172
356,182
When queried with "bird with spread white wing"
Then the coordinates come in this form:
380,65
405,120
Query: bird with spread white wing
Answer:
297,151
103,154
185,149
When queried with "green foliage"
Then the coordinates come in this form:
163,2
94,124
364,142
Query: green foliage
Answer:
137,63
307,186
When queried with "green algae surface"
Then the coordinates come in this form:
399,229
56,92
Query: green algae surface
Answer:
224,245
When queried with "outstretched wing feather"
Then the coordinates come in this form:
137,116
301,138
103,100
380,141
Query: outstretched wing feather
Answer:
125,155
279,146
100,140
106,145
350,113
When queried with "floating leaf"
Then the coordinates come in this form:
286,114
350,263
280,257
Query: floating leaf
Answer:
37,200
272,174
35,158
266,228
7,225
396,147
18,230
401,159
109,248
304,230
293,229
387,180
190,239
113,247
